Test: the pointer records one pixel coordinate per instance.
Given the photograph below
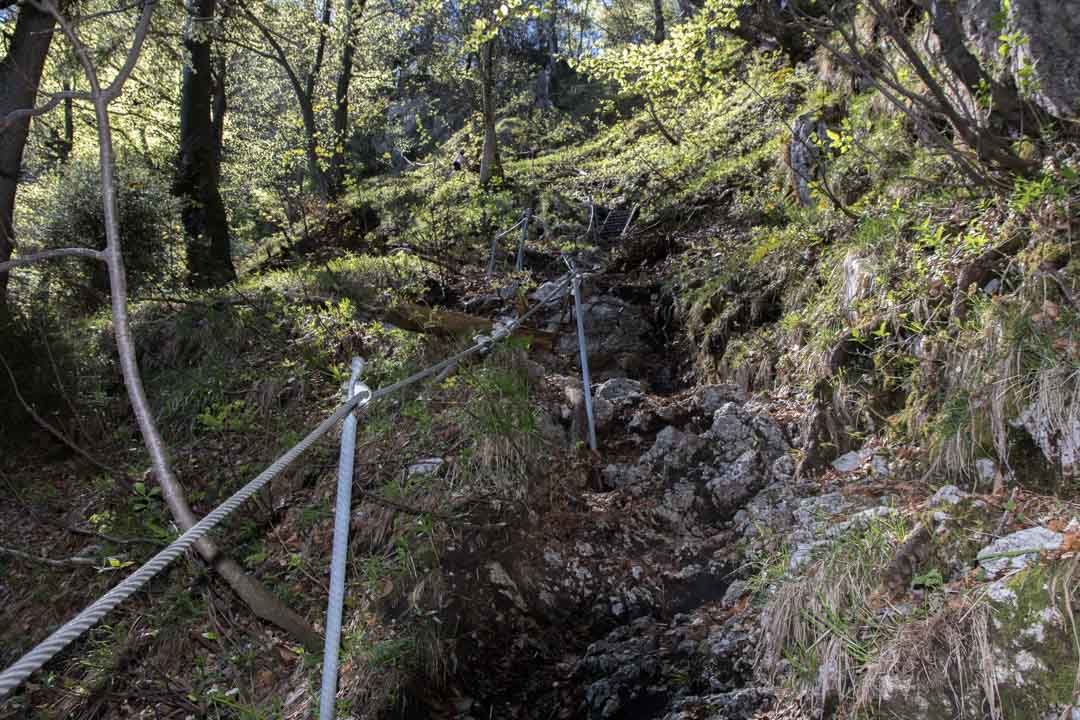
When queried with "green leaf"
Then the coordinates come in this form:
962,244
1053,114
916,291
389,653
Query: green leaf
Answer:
930,579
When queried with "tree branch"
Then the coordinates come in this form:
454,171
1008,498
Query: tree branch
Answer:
52,429
117,85
261,601
55,99
50,254
85,562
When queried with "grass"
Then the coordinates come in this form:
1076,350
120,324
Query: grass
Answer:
848,647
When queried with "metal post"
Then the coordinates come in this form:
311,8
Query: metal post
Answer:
342,513
587,385
494,249
521,242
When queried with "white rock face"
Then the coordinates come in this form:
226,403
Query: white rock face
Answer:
858,279
1016,551
948,495
1059,439
848,462
427,466
1050,30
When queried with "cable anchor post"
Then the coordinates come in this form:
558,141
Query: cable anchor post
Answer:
342,512
583,351
520,265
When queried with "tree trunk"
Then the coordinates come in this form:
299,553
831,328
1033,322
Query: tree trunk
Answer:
217,114
319,181
687,9
261,601
206,225
489,157
69,124
549,40
658,15
20,75
1008,113
341,96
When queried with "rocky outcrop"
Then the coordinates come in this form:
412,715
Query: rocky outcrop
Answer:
646,572
1056,431
1040,38
695,666
616,334
804,154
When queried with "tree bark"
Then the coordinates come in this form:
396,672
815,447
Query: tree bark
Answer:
259,599
341,96
69,124
489,156
549,39
20,75
658,17
202,211
1007,111
218,107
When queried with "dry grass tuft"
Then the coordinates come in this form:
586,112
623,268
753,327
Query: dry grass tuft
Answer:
847,647
815,621
950,645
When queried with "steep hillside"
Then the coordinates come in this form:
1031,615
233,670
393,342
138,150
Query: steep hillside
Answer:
835,374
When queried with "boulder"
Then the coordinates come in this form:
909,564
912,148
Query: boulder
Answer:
1016,551
620,390
616,333
1042,59
947,495
707,399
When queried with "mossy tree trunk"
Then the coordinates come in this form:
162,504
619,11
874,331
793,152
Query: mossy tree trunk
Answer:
20,75
489,157
206,225
353,12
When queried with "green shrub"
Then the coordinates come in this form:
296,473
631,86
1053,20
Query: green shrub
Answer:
65,210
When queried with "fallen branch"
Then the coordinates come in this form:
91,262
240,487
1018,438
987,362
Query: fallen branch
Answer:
409,510
55,432
81,561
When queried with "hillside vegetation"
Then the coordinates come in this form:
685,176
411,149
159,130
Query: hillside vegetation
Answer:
830,291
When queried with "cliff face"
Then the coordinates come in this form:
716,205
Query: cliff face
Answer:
1033,44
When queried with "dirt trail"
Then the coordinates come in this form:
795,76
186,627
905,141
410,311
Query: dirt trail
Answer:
614,602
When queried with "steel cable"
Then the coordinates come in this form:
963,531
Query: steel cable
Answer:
14,675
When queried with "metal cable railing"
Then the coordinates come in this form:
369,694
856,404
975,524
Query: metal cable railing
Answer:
33,660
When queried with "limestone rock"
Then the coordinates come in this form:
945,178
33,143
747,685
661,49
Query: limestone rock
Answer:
1057,437
1008,553
858,280
707,399
620,390
616,333
425,467
1046,62
948,495
804,154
